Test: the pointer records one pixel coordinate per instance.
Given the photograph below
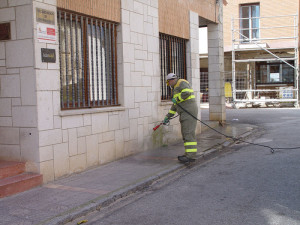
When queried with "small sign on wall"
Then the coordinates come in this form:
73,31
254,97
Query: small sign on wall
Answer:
45,16
46,33
48,55
46,25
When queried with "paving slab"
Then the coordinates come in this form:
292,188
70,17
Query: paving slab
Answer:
63,200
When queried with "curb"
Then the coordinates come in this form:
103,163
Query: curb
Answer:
141,184
110,198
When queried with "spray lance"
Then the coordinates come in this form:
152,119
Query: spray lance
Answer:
162,123
156,127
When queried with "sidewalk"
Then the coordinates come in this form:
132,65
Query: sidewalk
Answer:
69,198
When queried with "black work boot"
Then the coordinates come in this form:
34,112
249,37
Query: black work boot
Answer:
185,159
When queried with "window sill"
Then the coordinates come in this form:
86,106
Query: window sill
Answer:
90,111
166,102
274,84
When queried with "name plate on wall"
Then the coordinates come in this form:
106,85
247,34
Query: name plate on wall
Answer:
48,55
45,16
4,31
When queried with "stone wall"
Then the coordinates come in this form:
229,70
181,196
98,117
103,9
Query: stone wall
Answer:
216,69
193,63
57,143
18,101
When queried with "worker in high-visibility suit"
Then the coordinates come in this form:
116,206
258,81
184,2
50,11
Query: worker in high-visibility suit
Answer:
183,95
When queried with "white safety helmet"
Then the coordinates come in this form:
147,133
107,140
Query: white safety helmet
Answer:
171,76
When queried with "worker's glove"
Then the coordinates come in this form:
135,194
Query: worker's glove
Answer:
166,120
174,100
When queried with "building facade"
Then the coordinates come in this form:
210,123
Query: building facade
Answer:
82,82
261,50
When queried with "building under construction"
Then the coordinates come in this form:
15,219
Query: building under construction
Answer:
262,62
260,53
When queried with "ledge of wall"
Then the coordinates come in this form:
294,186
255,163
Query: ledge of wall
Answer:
104,9
174,15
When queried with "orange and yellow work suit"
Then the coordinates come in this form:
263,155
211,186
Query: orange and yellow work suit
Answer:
184,96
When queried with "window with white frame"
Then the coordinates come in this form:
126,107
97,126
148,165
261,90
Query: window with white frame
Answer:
249,22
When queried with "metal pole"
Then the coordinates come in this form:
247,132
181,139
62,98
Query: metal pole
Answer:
110,63
176,56
114,72
97,64
106,61
161,67
77,61
296,29
165,71
180,58
82,62
92,61
72,61
167,50
101,53
88,62
60,66
66,58
171,55
233,63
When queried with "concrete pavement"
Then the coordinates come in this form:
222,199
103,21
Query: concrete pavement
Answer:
69,198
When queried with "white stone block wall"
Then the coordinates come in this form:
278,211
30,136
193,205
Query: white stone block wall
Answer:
52,150
18,113
193,63
74,140
141,78
57,143
216,69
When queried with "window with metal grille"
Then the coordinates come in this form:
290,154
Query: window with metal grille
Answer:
172,60
88,62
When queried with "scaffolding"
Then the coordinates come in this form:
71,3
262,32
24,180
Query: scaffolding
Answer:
264,86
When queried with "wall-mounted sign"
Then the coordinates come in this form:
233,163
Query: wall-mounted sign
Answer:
46,33
45,16
4,31
48,55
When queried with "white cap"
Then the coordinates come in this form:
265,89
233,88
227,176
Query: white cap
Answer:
171,76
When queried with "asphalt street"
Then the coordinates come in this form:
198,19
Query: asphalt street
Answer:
248,185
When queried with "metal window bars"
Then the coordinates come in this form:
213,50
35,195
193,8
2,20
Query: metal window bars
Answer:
88,64
204,89
172,60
